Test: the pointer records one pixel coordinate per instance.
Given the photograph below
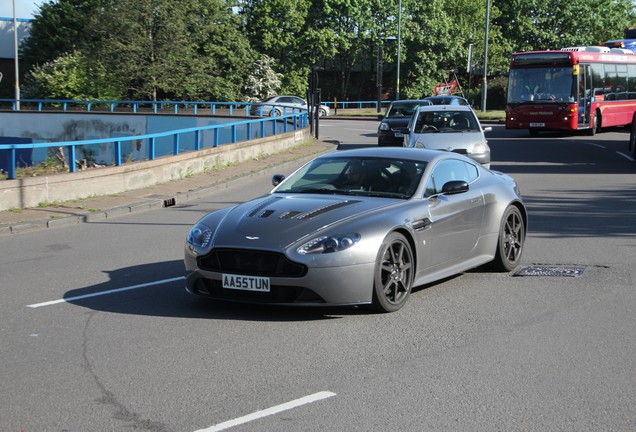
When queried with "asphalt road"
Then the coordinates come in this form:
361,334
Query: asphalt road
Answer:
98,334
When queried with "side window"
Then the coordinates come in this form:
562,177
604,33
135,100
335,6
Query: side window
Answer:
448,170
285,100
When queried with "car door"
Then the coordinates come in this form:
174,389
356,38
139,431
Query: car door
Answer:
455,220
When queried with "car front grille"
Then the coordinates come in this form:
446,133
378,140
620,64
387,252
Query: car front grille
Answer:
251,262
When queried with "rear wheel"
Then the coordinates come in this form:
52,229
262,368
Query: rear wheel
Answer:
393,274
512,235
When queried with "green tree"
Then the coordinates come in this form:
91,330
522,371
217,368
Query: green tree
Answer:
185,49
553,24
59,27
70,76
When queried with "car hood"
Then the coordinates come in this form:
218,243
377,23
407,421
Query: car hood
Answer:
449,140
277,221
396,122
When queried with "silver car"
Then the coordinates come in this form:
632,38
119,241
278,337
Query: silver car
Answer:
279,105
359,227
451,128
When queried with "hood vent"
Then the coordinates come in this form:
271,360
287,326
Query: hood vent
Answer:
261,206
325,209
289,214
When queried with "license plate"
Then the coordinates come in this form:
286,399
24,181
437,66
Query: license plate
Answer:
537,124
399,135
246,283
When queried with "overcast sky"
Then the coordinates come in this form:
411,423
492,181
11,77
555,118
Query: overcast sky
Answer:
23,8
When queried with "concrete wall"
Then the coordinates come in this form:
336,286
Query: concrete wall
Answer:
29,192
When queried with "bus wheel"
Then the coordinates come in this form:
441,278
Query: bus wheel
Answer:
632,138
595,124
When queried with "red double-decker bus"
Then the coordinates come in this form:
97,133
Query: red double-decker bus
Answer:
581,88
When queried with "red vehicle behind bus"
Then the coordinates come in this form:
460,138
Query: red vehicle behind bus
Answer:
582,88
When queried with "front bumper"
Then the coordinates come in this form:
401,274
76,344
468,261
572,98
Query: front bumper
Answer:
336,286
389,138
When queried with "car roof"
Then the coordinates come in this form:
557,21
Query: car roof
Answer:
414,154
423,108
446,99
410,102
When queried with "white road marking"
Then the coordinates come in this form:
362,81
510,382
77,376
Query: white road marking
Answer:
269,411
101,293
626,156
596,145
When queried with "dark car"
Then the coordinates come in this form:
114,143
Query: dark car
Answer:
395,120
446,100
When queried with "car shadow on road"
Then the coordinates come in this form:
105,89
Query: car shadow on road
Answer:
158,289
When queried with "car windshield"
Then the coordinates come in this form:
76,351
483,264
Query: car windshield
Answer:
401,110
379,177
445,121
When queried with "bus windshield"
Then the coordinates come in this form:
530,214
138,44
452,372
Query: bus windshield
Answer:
541,84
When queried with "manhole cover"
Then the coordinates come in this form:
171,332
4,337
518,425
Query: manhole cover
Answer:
544,270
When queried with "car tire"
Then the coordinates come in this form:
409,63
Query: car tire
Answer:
512,236
322,112
393,274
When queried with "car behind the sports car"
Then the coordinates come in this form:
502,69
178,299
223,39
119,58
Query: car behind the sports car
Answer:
359,227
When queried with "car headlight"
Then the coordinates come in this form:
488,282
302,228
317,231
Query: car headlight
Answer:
199,236
481,148
384,127
328,244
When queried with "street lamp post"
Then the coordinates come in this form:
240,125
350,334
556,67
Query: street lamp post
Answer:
15,50
484,84
399,50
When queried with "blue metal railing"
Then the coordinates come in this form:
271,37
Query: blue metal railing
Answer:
234,108
192,138
356,104
238,108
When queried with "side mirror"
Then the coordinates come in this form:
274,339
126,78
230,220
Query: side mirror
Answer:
277,179
404,130
380,116
487,129
454,187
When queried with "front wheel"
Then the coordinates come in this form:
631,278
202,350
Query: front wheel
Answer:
393,274
322,112
632,138
595,125
512,235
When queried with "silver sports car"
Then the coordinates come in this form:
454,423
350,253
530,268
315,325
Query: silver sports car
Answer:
359,227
